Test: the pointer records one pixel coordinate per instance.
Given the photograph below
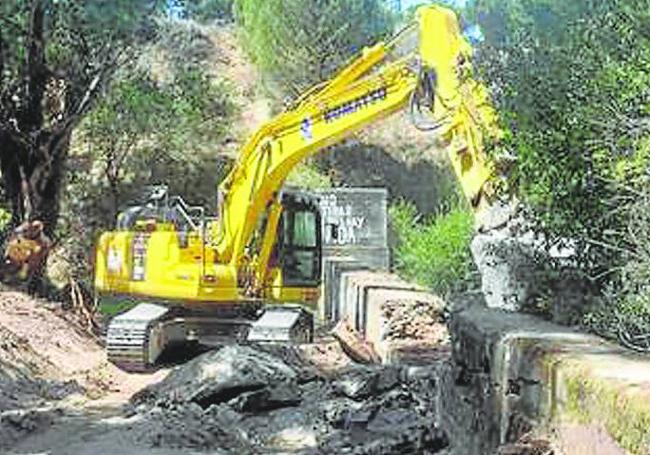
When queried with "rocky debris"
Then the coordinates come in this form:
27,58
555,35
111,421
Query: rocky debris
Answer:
514,260
527,446
362,382
174,425
504,254
49,364
353,344
26,389
415,319
296,358
15,424
506,264
219,376
413,328
326,356
17,394
275,396
243,399
400,420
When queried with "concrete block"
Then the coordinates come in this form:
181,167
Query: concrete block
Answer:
405,325
333,287
393,315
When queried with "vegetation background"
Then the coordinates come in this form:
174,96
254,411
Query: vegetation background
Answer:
572,84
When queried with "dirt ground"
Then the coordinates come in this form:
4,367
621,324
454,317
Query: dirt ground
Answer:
54,347
53,373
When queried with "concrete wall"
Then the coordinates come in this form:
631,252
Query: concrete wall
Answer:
508,373
505,374
513,373
355,237
356,284
395,317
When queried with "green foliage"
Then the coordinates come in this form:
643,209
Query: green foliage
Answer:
209,10
297,43
572,81
626,300
5,218
435,252
56,56
308,177
77,34
143,126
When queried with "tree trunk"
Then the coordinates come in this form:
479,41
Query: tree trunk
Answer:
45,181
32,180
115,197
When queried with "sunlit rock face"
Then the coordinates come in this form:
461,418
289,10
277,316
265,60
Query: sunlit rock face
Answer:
514,261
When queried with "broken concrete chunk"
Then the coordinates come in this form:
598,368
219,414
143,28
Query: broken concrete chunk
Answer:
267,399
353,343
506,265
363,382
219,376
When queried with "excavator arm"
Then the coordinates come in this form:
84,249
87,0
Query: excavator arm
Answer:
431,78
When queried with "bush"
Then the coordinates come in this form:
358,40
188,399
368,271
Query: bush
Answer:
434,252
307,176
626,302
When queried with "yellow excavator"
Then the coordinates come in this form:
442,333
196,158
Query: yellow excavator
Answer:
253,271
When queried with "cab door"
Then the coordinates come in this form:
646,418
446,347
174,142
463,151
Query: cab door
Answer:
300,246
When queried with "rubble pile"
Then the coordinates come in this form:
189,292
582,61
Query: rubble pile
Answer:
25,389
414,330
248,398
415,320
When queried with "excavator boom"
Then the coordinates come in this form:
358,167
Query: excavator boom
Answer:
371,87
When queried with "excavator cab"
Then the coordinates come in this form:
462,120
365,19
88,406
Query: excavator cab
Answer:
298,248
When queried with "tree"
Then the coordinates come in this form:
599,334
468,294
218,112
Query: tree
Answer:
572,82
55,57
142,123
300,42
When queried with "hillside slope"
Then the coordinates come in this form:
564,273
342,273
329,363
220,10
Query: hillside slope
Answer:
389,153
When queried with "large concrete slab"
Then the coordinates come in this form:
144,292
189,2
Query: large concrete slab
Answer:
354,218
